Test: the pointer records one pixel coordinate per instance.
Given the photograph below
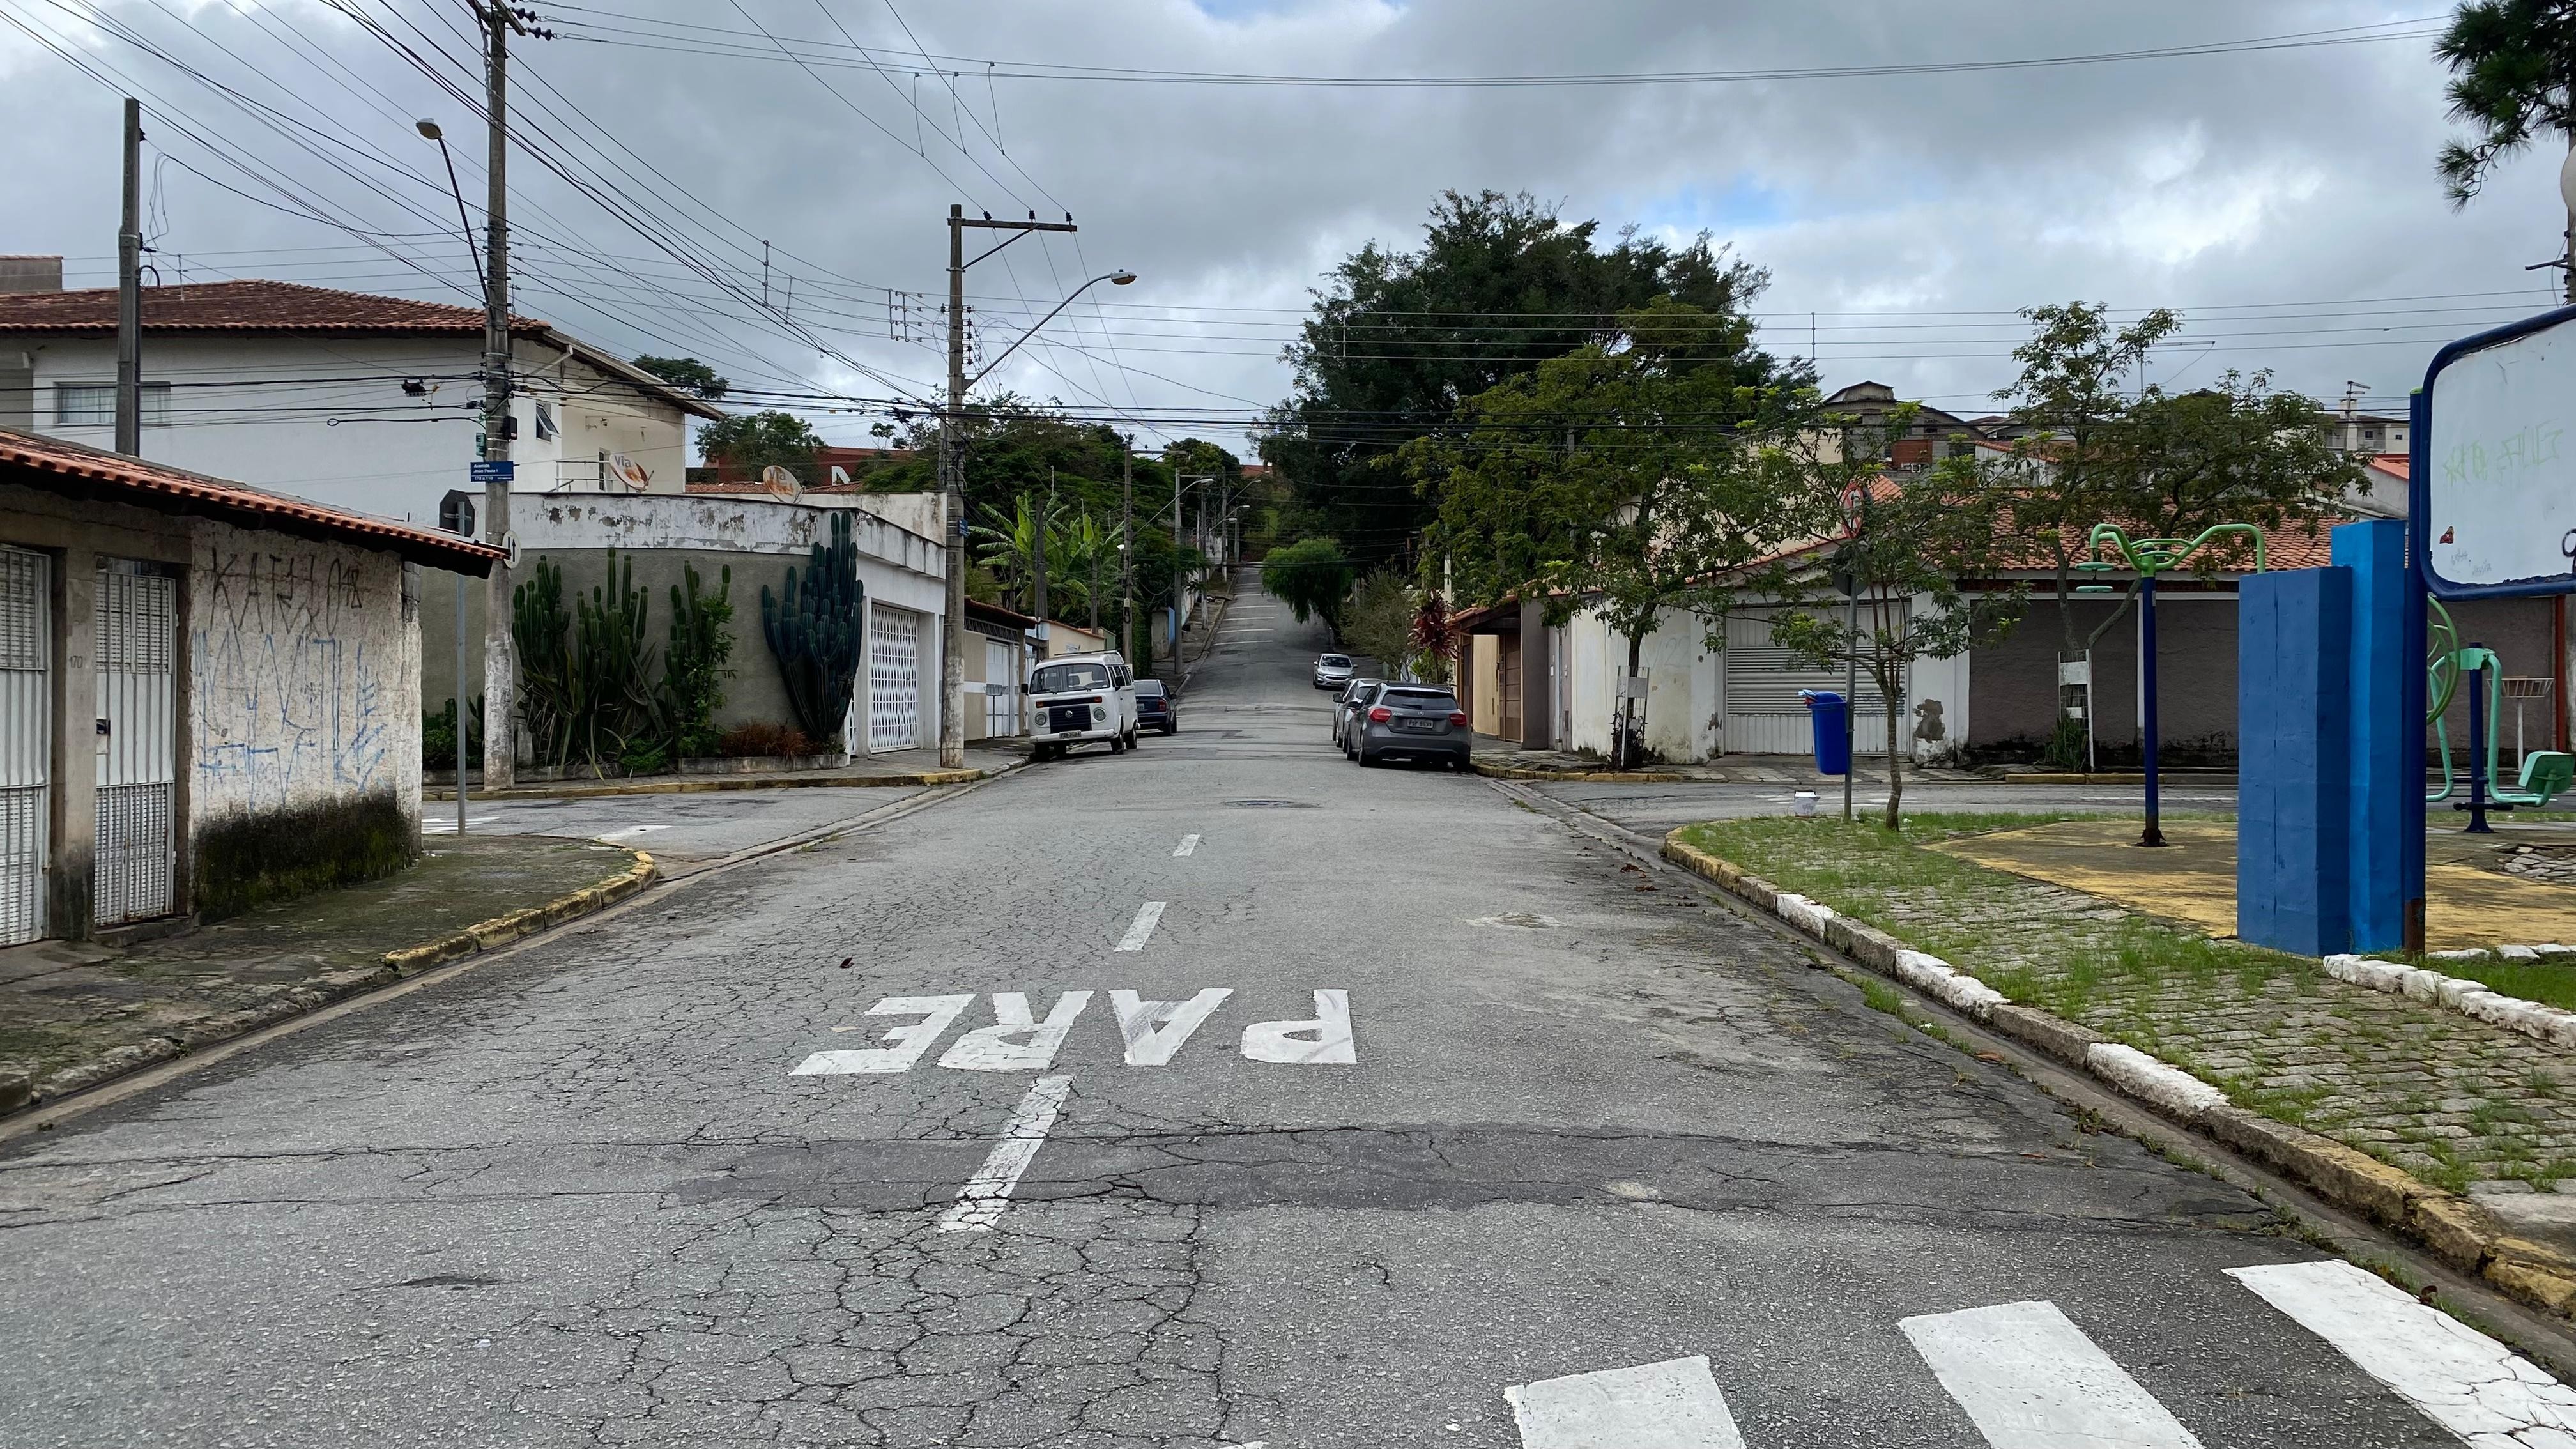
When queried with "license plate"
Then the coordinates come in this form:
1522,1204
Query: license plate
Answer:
1417,726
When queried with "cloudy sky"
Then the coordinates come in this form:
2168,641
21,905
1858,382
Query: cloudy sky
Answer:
2282,197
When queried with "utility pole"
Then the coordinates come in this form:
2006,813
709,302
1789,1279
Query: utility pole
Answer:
500,656
952,469
1179,573
1127,545
1037,560
129,292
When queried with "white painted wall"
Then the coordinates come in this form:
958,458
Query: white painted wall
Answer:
304,674
898,566
326,418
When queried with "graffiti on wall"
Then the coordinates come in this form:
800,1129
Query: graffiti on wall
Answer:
292,696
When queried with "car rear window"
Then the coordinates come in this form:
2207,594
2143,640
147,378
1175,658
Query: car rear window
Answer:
1149,687
1419,699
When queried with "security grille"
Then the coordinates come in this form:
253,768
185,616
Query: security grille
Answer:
137,747
894,679
1764,714
1001,690
26,742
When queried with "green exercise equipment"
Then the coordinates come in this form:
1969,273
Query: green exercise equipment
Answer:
2545,774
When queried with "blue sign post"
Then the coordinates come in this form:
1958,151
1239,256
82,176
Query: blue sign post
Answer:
490,471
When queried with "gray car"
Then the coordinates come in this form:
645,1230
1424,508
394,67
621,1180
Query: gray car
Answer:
1412,722
1348,704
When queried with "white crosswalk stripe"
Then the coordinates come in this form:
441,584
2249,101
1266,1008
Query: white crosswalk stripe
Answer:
2461,1379
1670,1405
2029,1379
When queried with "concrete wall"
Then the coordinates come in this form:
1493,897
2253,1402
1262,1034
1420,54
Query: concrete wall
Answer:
326,418
304,670
759,538
2013,686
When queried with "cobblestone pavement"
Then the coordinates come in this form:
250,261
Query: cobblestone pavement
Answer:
71,1014
2451,1099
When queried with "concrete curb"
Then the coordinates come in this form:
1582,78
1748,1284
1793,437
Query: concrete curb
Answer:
396,966
2459,993
1610,777
701,784
2454,1228
2119,777
500,931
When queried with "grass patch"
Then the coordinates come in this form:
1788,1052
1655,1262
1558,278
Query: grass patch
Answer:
2543,981
260,859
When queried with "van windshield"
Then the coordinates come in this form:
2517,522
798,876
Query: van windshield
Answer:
1062,678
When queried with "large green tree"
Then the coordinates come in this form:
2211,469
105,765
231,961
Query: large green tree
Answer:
1397,340
1312,576
750,442
2513,81
689,373
1634,482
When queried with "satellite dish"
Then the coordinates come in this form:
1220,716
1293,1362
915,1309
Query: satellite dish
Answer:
781,482
629,472
840,476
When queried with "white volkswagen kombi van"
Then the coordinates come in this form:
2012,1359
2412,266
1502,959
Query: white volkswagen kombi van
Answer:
1078,699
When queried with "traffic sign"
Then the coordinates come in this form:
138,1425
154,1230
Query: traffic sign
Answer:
498,471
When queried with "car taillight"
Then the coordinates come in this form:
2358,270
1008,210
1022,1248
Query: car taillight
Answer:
1456,718
1381,715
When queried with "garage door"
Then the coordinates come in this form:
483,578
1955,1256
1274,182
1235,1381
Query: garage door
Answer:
1001,689
1764,715
894,679
138,743
26,741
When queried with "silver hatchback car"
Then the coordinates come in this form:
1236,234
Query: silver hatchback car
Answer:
1332,671
1412,722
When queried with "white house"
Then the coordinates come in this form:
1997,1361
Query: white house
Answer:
344,398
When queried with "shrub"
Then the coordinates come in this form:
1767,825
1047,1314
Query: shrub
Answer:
258,859
781,741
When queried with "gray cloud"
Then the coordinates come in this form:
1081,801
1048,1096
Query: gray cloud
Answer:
2214,184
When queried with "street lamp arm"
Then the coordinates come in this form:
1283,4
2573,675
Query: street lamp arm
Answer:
1121,278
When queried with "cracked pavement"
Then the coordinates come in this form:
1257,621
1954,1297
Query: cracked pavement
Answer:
575,1197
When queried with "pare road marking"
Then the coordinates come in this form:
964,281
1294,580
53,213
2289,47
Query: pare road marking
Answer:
1150,1033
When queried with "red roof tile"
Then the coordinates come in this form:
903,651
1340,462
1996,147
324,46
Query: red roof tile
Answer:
250,305
68,468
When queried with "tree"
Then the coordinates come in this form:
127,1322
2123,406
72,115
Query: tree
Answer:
1378,621
1397,340
1312,576
1916,537
2513,77
687,373
1631,483
750,442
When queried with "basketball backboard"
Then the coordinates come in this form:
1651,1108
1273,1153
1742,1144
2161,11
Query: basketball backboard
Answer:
2494,470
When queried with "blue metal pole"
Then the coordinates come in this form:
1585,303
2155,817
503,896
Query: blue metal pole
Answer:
2155,834
2479,724
2416,693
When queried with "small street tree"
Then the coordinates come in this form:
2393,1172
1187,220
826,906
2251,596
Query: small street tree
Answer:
2513,81
1378,622
1312,577
689,373
753,441
1632,481
1916,539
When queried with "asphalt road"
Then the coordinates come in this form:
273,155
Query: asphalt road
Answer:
680,830
690,1175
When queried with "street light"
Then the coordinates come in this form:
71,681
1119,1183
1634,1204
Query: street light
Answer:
1115,279
429,129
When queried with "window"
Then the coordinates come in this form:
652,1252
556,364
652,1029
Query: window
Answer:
1062,678
546,420
93,404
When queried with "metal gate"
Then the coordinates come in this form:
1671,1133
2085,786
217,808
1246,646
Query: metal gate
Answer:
894,679
138,742
26,741
1764,715
1001,690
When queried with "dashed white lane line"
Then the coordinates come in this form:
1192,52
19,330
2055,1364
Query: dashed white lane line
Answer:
1189,846
980,1202
2029,1379
448,826
1147,915
1669,1405
2462,1380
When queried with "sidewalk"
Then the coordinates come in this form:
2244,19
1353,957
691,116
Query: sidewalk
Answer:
73,1014
893,768
2458,1103
1504,757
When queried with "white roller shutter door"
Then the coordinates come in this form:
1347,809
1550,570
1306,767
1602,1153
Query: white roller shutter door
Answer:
26,740
894,679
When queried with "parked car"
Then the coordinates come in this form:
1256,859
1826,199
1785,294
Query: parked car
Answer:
1078,699
1350,702
1154,708
1332,671
1412,722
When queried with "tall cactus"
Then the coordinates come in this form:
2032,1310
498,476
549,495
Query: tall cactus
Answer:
817,632
693,665
614,713
541,629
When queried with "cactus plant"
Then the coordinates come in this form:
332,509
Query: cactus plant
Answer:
817,632
541,629
693,665
614,715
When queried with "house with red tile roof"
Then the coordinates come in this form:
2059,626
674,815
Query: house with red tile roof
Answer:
363,402
209,692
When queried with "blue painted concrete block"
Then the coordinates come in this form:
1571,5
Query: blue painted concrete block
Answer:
2294,713
2375,804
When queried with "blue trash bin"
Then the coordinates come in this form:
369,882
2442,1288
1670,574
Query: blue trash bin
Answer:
1833,744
